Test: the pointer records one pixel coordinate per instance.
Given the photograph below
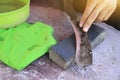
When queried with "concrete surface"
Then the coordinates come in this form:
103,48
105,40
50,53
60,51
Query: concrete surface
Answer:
106,58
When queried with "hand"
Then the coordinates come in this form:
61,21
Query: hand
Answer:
96,11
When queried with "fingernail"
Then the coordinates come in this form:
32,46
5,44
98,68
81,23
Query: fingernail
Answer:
81,24
85,29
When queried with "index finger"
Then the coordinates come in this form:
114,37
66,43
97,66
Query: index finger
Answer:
89,8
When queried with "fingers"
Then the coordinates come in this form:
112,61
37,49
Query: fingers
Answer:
106,12
92,17
97,10
90,7
102,14
109,14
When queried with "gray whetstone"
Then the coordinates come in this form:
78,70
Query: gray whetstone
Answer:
63,53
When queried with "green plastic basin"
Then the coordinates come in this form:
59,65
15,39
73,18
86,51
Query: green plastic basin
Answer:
11,14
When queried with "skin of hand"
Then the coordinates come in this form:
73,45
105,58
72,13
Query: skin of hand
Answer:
96,11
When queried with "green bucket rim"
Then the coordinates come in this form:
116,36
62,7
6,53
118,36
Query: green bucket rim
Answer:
10,12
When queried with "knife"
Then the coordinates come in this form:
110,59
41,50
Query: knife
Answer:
84,55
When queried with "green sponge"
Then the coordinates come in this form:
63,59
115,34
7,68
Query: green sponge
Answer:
22,45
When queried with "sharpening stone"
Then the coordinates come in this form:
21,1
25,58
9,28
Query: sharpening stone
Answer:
63,53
